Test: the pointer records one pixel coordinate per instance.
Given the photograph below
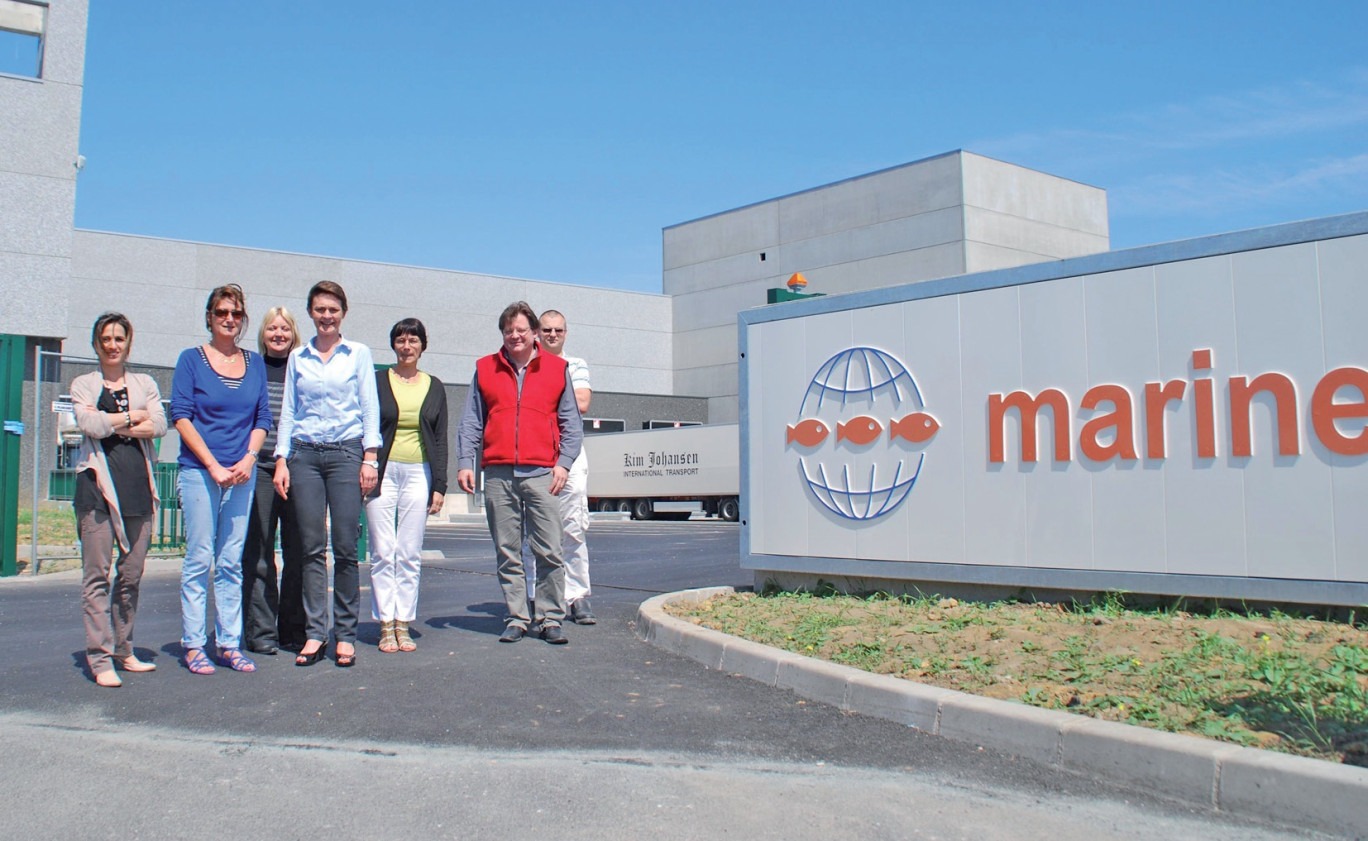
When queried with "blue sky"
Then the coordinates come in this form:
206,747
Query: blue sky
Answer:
553,140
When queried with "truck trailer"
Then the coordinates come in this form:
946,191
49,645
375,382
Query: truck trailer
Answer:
671,472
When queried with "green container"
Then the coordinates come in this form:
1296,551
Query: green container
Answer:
62,485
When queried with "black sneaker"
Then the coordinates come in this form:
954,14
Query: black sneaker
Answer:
580,613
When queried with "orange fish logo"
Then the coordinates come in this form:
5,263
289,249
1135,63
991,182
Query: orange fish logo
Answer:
859,431
916,427
808,433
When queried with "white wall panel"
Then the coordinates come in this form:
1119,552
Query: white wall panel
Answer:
1123,349
930,349
1288,512
1343,267
1054,354
1204,505
994,494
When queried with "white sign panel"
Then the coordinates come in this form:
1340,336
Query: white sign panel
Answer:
684,461
1200,417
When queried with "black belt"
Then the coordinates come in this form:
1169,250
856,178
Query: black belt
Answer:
324,446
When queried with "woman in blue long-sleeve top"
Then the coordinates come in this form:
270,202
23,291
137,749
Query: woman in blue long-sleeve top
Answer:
221,408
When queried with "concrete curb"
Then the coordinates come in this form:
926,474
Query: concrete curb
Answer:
1247,782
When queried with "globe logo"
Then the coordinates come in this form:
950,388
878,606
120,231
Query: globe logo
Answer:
860,434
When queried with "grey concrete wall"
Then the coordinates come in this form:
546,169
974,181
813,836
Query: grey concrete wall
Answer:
934,218
40,122
162,286
1014,216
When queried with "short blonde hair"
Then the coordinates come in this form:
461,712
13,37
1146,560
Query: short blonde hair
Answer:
271,315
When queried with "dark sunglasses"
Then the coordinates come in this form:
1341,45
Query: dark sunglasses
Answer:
553,329
223,312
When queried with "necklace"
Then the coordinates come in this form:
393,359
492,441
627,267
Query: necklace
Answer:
410,380
225,358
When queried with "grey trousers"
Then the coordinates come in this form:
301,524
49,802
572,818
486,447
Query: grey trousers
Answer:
326,479
110,606
508,501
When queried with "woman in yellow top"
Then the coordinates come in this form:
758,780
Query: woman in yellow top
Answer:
413,482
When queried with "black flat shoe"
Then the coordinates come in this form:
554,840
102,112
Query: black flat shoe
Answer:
270,649
303,659
513,633
580,613
554,635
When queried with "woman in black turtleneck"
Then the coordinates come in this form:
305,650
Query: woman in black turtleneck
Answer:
272,618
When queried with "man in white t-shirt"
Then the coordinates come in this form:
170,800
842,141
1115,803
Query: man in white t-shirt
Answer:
574,498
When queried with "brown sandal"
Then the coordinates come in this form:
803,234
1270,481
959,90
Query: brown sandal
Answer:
388,643
401,636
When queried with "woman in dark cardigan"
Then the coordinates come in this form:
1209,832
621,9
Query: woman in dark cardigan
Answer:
413,483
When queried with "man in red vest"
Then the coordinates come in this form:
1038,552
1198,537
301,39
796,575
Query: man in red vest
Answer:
522,418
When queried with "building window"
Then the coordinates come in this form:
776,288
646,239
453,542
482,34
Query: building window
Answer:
594,426
22,26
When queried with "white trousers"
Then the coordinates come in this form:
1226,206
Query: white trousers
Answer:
396,519
574,506
574,510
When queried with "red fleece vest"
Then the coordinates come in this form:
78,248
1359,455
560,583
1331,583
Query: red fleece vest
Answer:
521,429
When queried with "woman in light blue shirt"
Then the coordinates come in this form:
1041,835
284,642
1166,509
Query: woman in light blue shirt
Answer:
326,455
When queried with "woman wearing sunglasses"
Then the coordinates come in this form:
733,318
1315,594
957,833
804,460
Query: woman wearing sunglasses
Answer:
221,408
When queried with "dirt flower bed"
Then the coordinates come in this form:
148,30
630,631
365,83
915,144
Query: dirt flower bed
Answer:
1273,681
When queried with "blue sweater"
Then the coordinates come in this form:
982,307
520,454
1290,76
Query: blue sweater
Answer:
224,417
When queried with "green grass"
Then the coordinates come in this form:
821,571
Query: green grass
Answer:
56,524
1297,684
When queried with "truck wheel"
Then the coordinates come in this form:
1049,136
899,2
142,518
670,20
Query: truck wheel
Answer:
606,506
624,506
642,509
730,509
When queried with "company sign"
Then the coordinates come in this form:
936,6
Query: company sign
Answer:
1185,425
859,434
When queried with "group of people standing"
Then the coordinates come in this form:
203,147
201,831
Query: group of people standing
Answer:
291,442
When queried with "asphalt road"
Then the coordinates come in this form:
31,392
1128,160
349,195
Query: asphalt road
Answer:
471,738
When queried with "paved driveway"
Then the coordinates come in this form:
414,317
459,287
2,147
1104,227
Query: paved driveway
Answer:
471,738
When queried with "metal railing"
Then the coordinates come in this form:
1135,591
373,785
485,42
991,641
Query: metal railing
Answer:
170,534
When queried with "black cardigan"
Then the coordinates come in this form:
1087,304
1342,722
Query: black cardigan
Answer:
432,428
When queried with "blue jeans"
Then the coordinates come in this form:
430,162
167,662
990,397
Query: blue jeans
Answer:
215,530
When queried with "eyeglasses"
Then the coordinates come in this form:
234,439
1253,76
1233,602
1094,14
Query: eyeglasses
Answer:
555,330
223,312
